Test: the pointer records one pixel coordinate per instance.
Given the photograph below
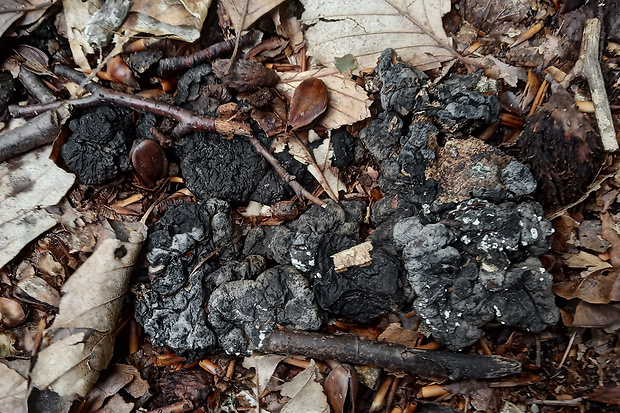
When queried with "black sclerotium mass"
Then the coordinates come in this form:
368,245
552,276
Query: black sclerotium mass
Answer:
458,264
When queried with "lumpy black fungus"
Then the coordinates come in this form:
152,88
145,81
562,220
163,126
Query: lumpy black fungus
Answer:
170,308
98,149
360,293
244,312
216,167
400,83
479,269
344,148
272,188
381,137
458,103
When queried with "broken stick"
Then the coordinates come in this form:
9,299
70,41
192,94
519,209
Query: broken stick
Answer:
423,363
588,66
188,120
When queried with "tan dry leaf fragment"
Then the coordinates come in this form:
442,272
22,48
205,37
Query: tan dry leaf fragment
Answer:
255,10
77,15
347,102
264,366
305,393
13,391
28,184
82,332
177,19
366,28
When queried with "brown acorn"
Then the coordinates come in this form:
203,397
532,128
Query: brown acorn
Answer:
149,161
121,73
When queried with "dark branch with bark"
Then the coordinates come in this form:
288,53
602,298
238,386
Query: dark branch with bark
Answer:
188,121
172,64
423,363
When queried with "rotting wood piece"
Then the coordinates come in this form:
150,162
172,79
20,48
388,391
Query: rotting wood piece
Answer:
588,67
423,363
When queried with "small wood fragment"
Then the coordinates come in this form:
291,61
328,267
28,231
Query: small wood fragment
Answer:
357,255
588,66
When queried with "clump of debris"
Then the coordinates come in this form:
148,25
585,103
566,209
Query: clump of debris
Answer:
455,236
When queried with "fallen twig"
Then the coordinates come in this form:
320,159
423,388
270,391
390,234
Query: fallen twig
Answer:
286,177
101,96
588,66
39,131
189,121
424,363
172,64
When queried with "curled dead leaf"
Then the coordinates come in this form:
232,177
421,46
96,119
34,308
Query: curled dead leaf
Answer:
600,287
593,315
341,381
308,103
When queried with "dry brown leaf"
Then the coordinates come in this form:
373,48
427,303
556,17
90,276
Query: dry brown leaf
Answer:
305,393
600,287
365,28
308,103
609,395
323,155
341,381
593,315
255,10
586,260
394,333
77,14
611,235
28,184
347,102
82,332
120,376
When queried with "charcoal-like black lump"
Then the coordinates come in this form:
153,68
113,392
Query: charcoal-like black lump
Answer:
98,149
244,312
216,167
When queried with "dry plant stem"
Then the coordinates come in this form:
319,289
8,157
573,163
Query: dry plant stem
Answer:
381,393
171,64
38,131
424,363
588,66
102,96
179,407
311,159
238,37
35,86
286,177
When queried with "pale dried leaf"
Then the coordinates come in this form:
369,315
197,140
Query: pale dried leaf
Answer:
302,155
120,376
177,19
14,10
356,255
365,28
586,260
323,155
77,14
265,366
71,365
305,393
496,69
117,405
347,102
255,10
13,391
28,184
